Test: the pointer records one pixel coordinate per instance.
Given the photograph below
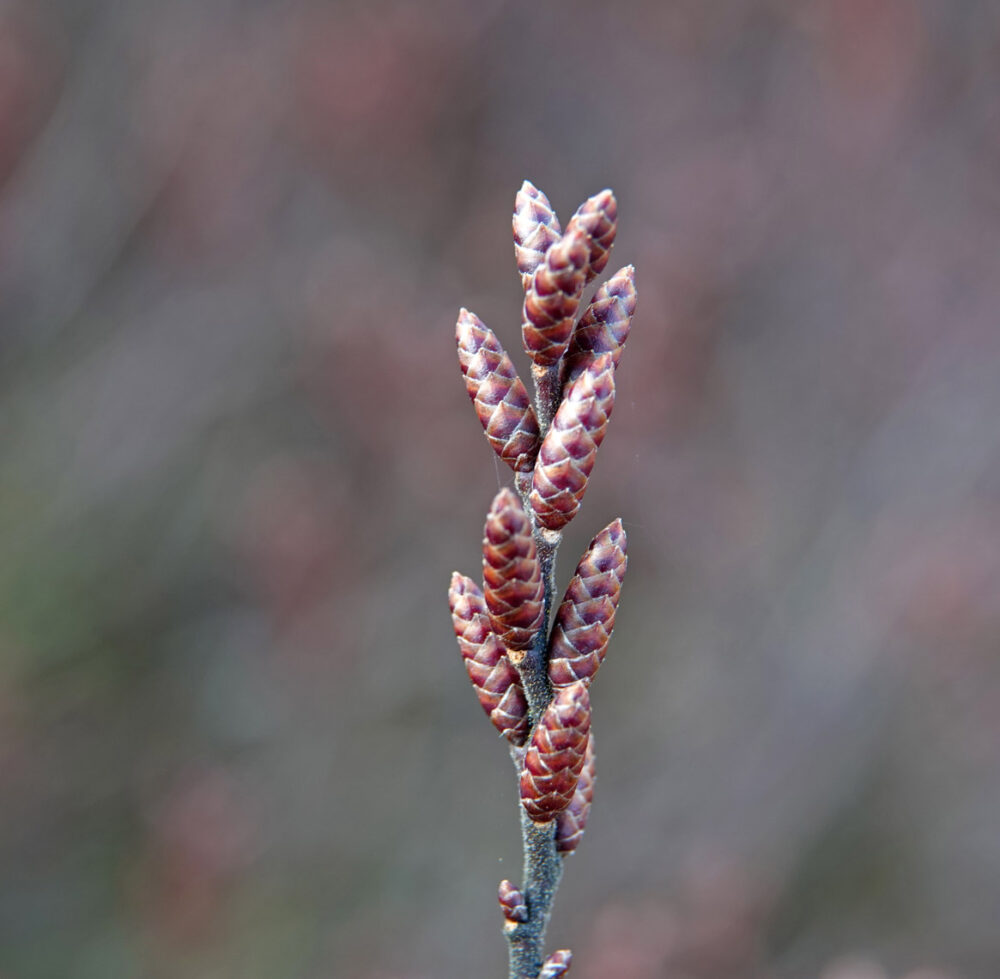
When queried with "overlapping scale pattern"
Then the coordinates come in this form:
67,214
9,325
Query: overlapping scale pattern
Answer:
557,964
512,577
552,298
598,217
536,229
605,326
572,821
555,755
498,394
569,449
494,678
586,616
512,902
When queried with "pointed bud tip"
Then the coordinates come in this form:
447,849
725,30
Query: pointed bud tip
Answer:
505,498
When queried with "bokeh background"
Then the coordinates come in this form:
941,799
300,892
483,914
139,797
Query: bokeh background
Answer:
239,465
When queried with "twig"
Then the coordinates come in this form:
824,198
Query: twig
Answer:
533,683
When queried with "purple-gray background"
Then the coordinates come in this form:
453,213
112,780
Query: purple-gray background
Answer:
239,465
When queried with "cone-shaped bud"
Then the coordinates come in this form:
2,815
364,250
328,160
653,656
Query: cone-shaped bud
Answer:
586,616
496,682
498,395
557,964
569,448
605,326
554,759
598,216
552,298
536,229
512,902
572,821
512,578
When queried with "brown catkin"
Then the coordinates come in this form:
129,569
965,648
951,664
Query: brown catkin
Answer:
586,616
555,755
570,446
536,229
496,682
512,578
552,298
598,217
498,394
572,821
605,326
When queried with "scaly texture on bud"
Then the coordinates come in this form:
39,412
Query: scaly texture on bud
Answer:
605,326
512,577
586,616
496,682
557,964
598,217
554,759
512,902
536,229
498,395
572,821
569,448
552,298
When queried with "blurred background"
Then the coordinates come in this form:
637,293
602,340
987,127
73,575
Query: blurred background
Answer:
239,466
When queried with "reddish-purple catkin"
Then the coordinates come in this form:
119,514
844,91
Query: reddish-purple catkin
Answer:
572,821
496,682
586,616
536,229
512,577
557,964
498,395
598,217
569,448
552,298
554,759
605,326
512,902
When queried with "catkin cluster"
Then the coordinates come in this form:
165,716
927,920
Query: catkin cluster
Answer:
551,446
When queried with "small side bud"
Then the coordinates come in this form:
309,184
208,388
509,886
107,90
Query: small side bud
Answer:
605,326
586,617
570,446
512,902
572,821
598,217
512,577
555,756
498,394
552,299
536,229
496,682
557,964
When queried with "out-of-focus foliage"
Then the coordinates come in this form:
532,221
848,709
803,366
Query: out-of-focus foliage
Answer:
239,465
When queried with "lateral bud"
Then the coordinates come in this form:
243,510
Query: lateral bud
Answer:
552,298
498,394
555,755
572,821
536,229
605,326
512,577
586,617
512,902
569,449
557,964
496,682
598,217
